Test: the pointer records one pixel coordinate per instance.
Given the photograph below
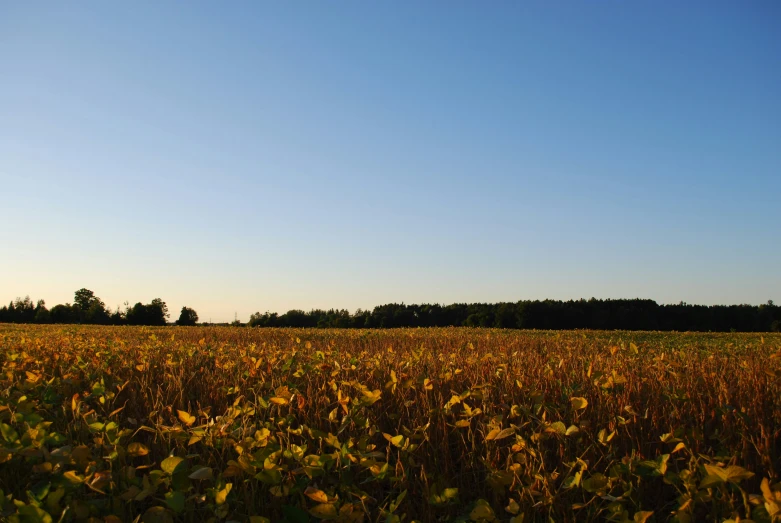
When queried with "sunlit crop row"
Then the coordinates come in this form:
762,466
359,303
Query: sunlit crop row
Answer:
236,424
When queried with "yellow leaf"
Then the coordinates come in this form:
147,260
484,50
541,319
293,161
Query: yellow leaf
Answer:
223,494
324,511
278,400
642,516
492,434
185,417
579,403
316,495
500,434
172,464
73,478
371,397
735,474
137,449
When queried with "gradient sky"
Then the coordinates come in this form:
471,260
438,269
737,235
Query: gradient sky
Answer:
240,157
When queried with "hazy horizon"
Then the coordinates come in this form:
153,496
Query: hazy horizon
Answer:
265,156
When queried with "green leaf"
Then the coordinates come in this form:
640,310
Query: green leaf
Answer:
157,515
173,464
39,491
482,511
658,466
9,434
175,501
572,481
33,514
294,514
395,504
440,498
595,483
53,500
180,481
269,476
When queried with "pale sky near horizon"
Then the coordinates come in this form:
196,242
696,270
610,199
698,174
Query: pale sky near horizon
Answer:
251,156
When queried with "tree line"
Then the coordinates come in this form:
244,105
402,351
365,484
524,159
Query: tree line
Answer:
635,314
88,308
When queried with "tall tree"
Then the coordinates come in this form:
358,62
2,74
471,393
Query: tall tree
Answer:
83,298
188,316
160,304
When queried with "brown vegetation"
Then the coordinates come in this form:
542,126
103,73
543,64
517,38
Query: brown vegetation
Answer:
120,423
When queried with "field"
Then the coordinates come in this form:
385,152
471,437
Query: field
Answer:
238,424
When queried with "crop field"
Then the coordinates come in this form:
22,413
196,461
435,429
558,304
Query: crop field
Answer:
238,424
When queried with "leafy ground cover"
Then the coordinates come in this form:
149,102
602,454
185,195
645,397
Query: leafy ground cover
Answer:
236,424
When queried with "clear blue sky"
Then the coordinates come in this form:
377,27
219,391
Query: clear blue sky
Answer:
241,157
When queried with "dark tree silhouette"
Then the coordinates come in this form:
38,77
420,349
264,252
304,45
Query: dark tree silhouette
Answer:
163,308
154,313
634,314
83,298
188,316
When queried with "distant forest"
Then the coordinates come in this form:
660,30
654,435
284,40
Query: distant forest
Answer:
634,314
89,309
